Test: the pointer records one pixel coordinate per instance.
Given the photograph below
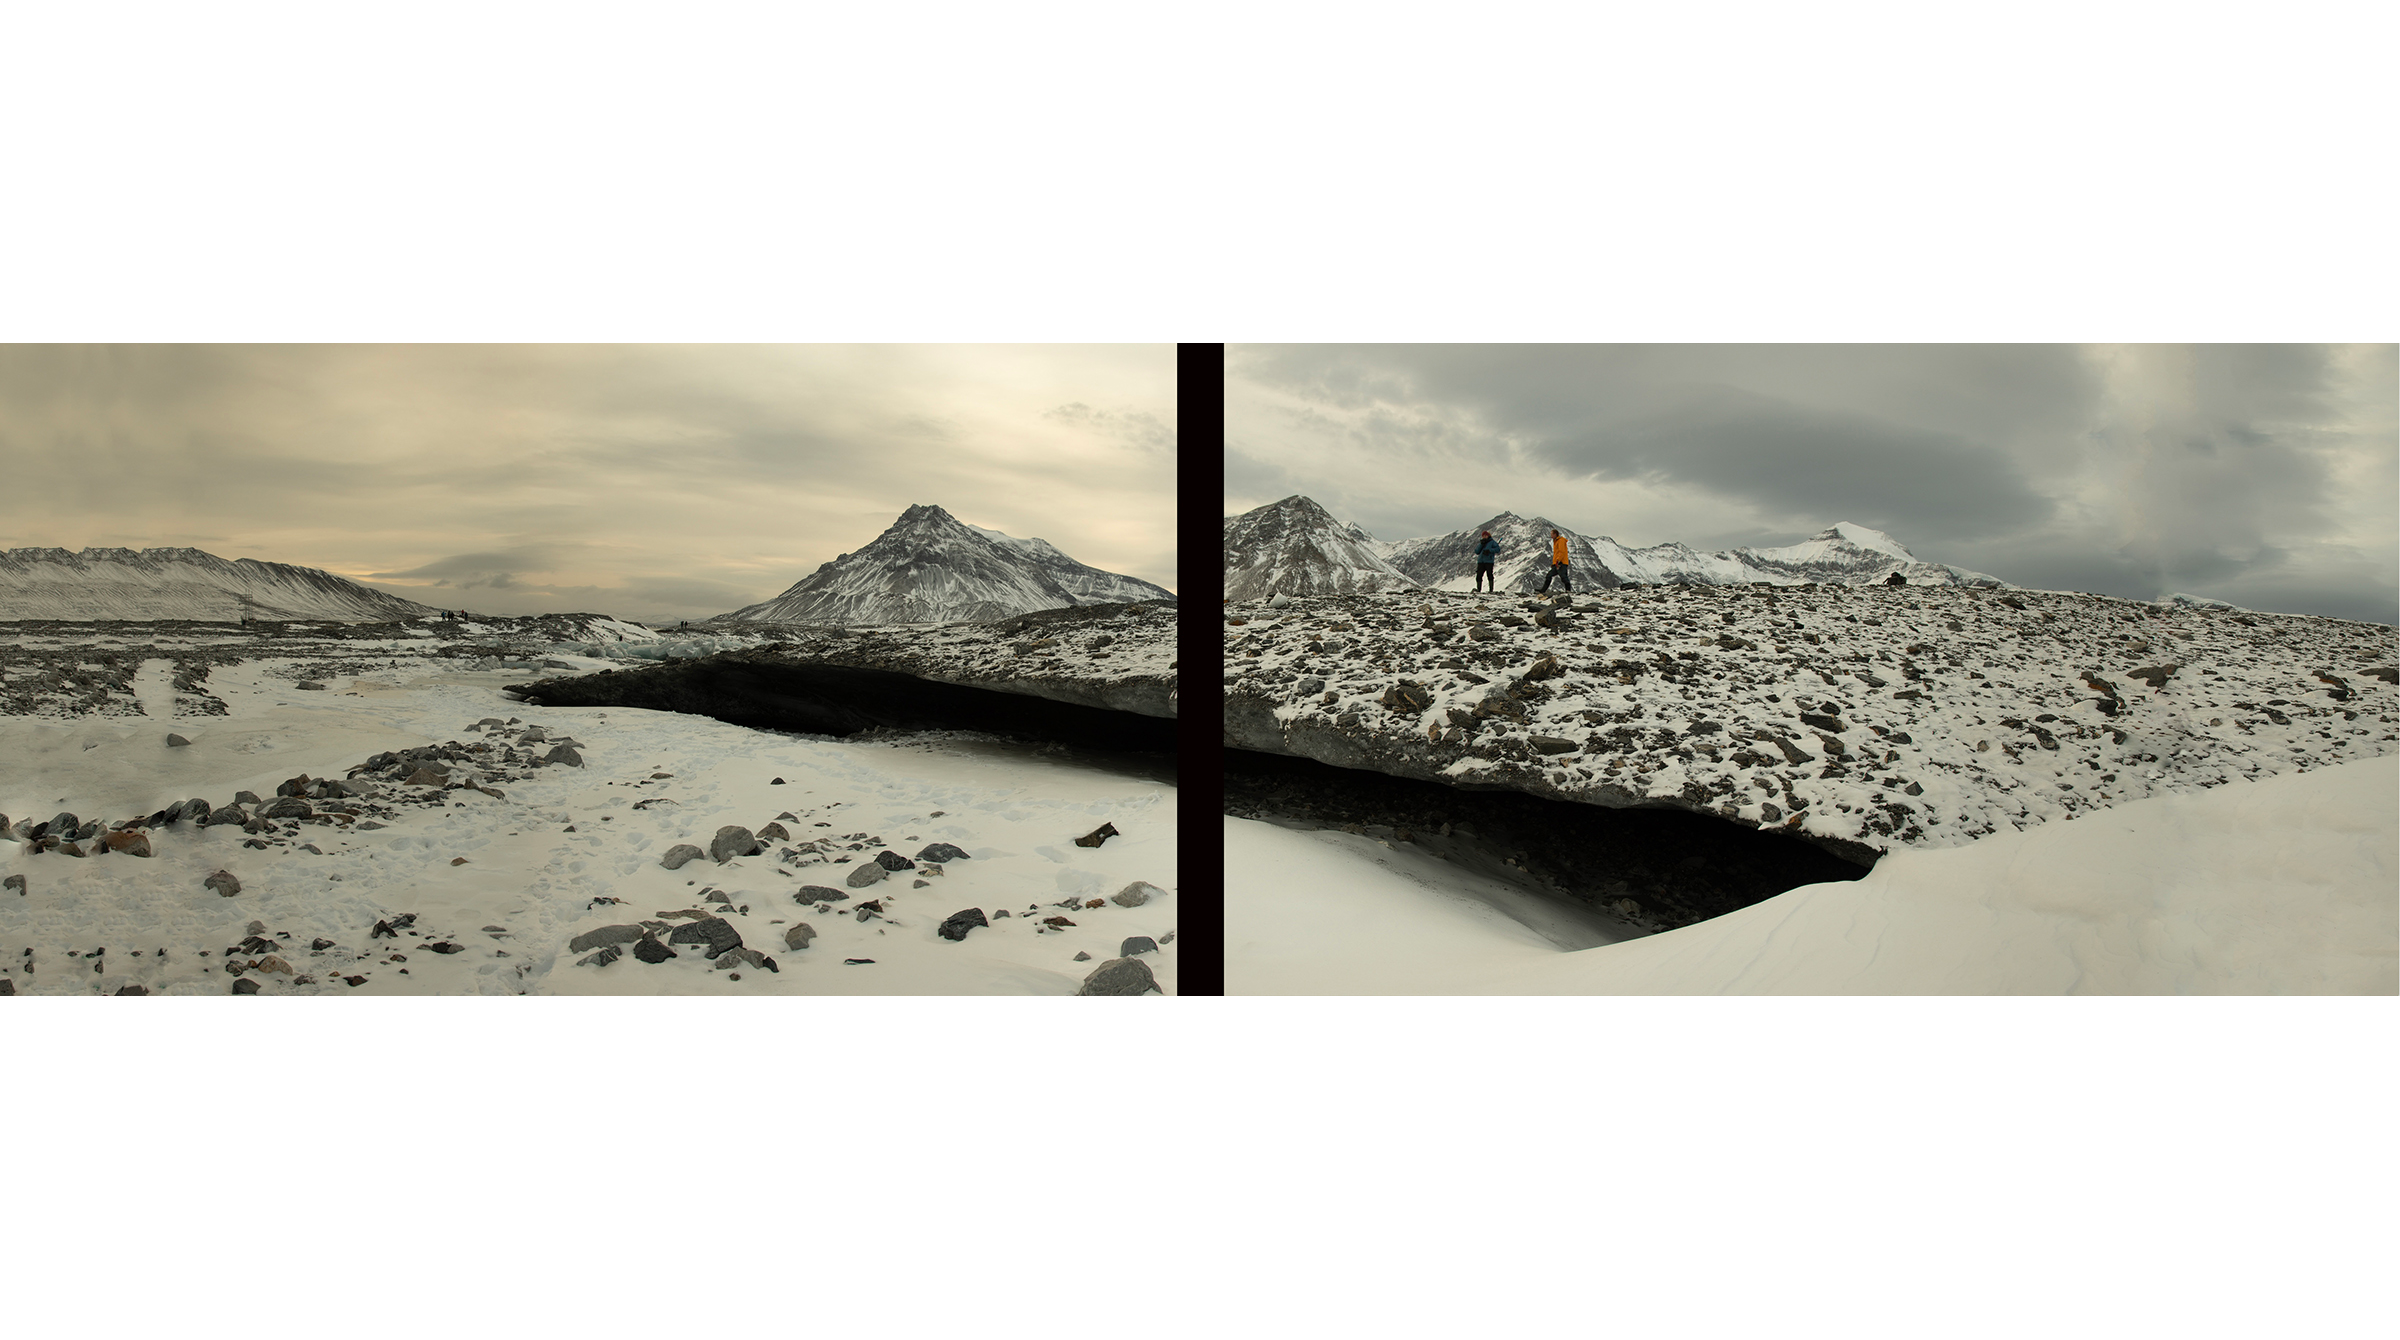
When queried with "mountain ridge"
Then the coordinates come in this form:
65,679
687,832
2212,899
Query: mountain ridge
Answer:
179,582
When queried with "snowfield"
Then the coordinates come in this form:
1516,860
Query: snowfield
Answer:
2278,886
506,859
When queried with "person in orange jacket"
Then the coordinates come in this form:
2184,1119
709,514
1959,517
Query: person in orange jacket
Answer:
1558,565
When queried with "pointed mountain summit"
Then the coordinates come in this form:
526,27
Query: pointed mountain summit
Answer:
1294,547
930,567
182,584
1447,562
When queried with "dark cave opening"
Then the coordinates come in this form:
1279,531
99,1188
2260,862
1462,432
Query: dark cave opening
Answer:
1675,866
842,700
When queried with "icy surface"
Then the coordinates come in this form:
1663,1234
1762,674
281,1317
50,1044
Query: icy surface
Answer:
461,858
929,568
2281,886
1940,714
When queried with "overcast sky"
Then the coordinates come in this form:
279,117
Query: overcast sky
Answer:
2263,475
647,482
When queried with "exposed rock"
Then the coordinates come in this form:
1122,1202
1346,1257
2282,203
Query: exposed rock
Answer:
312,685
894,861
274,963
942,851
870,873
798,936
135,989
605,935
774,832
132,842
959,923
16,882
1137,944
230,814
714,932
1119,977
679,854
290,807
732,840
608,954
243,986
1136,894
174,741
224,883
649,950
818,893
1082,957
247,798
1097,836
563,756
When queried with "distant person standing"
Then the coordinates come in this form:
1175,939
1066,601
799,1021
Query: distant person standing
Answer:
1487,552
1558,565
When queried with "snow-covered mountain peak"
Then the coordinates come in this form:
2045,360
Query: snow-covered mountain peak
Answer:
931,567
182,583
1296,547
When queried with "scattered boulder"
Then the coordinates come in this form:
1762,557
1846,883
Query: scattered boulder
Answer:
1097,836
247,798
818,893
1136,894
313,685
1137,944
1082,957
870,873
942,851
274,963
132,842
243,986
732,840
679,854
229,814
798,936
608,954
959,923
174,741
717,934
1119,977
16,882
605,935
135,989
223,882
563,756
774,833
649,950
290,807
894,861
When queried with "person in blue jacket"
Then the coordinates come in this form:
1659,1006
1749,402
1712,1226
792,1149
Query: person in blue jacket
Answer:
1487,552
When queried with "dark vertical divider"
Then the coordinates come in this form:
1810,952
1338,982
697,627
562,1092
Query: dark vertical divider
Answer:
1200,656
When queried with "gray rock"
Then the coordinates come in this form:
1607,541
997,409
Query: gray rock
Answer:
1119,977
1137,944
894,861
774,833
135,989
194,810
230,814
608,954
16,882
173,742
243,986
223,882
818,893
798,936
714,932
564,756
289,807
959,923
649,950
870,873
604,935
305,684
680,853
1097,836
1082,957
247,798
739,955
8,986
732,840
941,851
1136,894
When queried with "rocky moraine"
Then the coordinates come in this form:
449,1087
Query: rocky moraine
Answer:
1859,718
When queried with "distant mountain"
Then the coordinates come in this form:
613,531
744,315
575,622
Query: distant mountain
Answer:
182,584
1295,547
930,567
1447,562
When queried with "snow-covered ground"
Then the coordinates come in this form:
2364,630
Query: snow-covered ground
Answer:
512,878
2279,886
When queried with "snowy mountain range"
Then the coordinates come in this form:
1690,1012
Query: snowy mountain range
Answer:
182,584
1295,547
930,567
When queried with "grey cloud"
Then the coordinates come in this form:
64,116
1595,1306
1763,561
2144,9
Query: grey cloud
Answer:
1136,427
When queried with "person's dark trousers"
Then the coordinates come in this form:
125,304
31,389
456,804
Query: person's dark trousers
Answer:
1484,580
1558,570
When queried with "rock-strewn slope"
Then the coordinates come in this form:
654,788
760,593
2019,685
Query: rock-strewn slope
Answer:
181,584
1876,716
1120,657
